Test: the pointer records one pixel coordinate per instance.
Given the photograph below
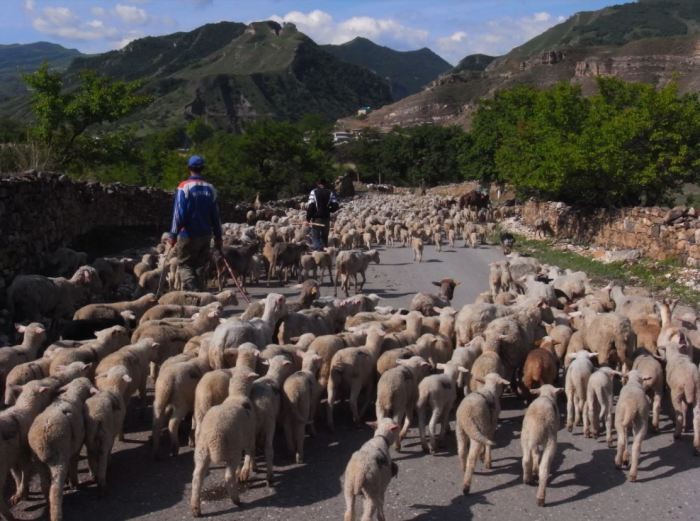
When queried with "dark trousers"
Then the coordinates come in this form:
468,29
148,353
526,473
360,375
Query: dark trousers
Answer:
319,234
192,255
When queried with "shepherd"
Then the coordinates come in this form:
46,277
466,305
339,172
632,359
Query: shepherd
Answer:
195,220
322,203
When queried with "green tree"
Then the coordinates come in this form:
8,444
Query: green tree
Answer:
62,116
198,131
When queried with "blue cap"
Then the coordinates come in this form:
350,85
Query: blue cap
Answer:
195,162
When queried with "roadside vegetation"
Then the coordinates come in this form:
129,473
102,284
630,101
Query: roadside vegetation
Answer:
659,277
630,144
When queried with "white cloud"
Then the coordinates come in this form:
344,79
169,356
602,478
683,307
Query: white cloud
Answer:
321,26
63,23
130,14
98,11
497,36
29,5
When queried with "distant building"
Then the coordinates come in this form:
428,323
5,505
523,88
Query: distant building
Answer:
363,111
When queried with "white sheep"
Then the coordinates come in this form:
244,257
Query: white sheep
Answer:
631,412
369,472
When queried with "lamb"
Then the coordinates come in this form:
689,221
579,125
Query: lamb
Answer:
426,302
465,356
212,389
114,310
234,332
14,426
136,358
486,363
324,261
576,385
308,266
309,291
472,320
265,395
227,431
354,366
171,338
148,262
541,367
417,248
35,296
573,285
22,374
424,347
174,398
538,438
632,411
34,338
599,403
369,472
326,346
397,393
437,239
609,335
64,261
437,392
55,437
192,298
107,341
351,264
164,311
300,394
561,335
683,381
104,420
476,420
648,366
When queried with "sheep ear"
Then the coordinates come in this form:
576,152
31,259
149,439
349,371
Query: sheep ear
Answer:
458,282
20,328
394,427
558,390
372,424
294,339
536,392
298,286
127,378
592,355
436,284
503,381
440,367
94,390
463,370
265,363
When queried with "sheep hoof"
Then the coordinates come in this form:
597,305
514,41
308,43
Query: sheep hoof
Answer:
570,428
175,451
676,436
540,501
465,490
299,460
197,511
696,452
426,449
611,445
237,502
632,477
14,500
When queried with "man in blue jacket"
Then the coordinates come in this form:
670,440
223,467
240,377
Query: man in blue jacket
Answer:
195,220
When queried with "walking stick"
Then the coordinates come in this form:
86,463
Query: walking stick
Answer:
235,280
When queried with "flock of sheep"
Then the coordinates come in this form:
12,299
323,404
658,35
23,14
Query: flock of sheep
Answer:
282,365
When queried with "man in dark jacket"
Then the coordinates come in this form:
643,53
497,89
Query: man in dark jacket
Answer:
322,203
195,220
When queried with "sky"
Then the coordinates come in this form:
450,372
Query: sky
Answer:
451,28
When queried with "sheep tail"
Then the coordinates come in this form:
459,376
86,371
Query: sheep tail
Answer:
476,435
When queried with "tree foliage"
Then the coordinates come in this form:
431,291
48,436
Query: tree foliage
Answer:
63,115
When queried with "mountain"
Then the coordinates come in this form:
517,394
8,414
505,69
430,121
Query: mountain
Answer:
652,41
229,73
17,59
407,72
473,62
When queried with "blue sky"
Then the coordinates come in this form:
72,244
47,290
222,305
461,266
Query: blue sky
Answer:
452,28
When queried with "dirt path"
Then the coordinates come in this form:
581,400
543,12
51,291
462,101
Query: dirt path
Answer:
585,485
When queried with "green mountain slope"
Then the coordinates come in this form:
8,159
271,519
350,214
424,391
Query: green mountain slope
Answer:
407,72
18,59
229,73
473,62
651,41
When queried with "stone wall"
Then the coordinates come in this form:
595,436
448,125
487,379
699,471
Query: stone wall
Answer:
658,233
40,212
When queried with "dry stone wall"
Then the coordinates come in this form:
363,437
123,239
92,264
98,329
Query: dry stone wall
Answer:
658,233
40,212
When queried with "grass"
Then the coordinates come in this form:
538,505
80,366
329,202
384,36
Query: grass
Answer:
652,275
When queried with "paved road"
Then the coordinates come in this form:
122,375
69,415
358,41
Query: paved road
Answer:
584,486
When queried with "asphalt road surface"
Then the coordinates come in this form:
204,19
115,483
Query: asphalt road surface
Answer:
585,484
